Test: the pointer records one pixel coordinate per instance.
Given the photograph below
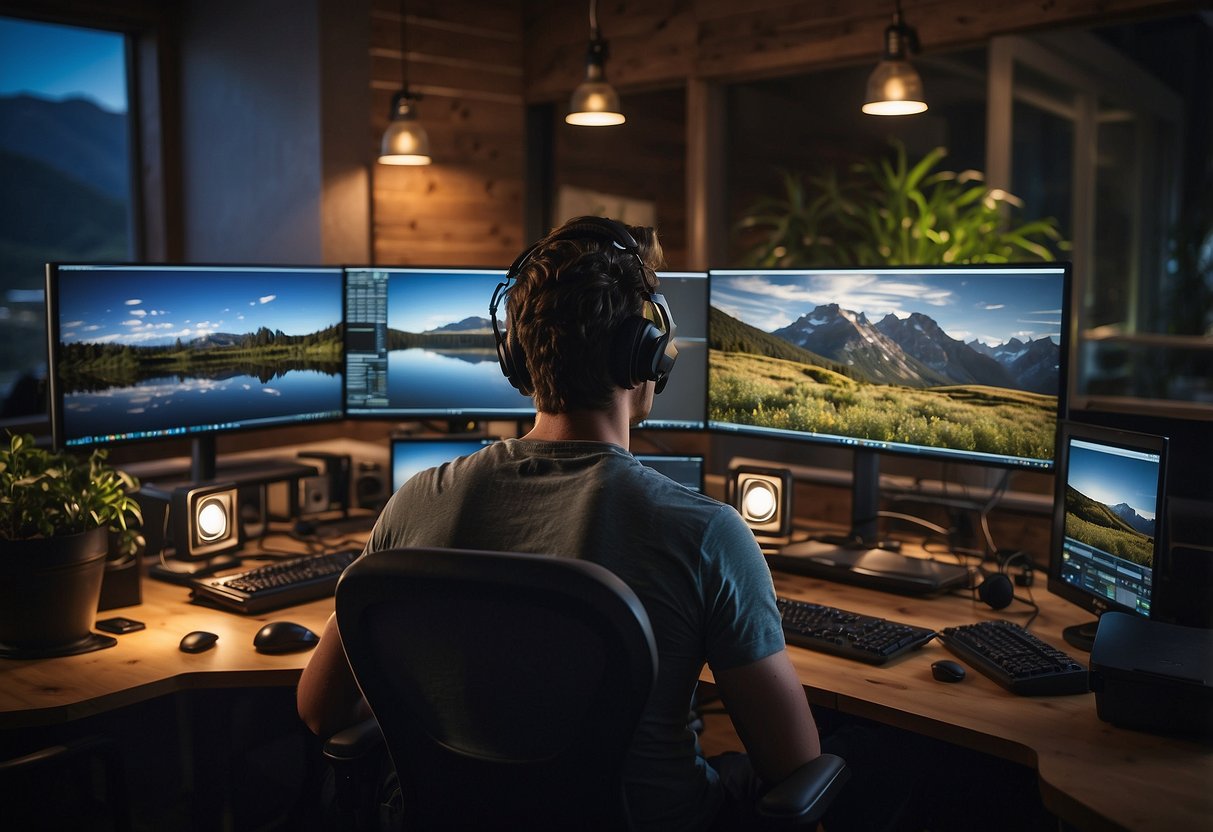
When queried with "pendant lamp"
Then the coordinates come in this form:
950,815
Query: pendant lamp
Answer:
595,102
894,88
405,141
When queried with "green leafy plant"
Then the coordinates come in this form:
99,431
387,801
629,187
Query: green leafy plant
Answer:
891,212
48,494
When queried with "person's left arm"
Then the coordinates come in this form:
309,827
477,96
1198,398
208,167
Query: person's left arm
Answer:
328,698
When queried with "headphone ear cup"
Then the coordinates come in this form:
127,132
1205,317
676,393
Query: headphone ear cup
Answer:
513,364
635,349
997,591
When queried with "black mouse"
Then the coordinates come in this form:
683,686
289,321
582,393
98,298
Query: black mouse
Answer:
197,641
946,670
284,637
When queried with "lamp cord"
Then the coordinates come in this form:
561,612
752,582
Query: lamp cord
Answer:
404,57
593,18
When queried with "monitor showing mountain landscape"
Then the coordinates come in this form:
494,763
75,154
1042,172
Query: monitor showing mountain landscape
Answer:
146,352
419,344
1107,520
962,363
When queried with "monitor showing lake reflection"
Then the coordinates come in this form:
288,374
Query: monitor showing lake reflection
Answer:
148,351
419,344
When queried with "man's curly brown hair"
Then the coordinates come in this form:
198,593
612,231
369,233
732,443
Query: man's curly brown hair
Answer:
564,307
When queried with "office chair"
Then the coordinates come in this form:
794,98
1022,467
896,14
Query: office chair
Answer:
507,688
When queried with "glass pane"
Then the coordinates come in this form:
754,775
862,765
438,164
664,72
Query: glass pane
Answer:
65,180
1118,221
1042,147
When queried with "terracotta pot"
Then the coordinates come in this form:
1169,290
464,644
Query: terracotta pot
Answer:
49,587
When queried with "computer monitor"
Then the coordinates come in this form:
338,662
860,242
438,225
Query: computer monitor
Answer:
412,454
1107,521
684,469
683,403
419,345
963,364
144,352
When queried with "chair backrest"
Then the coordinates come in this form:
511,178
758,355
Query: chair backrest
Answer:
507,686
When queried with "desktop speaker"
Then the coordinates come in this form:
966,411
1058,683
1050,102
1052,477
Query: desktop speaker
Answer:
763,497
205,520
313,495
336,470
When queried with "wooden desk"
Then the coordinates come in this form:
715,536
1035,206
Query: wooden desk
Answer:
147,663
1092,774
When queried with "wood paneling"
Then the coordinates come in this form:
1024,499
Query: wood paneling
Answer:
478,61
465,58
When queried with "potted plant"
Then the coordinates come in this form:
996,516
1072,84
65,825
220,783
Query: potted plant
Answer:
60,515
890,211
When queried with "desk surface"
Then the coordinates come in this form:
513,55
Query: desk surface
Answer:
1091,773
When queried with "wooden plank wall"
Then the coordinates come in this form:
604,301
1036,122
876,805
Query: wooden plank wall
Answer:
481,62
465,58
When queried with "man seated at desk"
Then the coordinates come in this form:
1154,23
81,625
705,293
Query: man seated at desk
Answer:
592,340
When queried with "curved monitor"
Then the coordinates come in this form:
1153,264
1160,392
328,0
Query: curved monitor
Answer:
419,345
1107,521
140,352
964,363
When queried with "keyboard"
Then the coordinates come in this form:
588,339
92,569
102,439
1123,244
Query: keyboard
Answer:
851,635
274,585
1016,659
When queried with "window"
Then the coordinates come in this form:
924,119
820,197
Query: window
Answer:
66,180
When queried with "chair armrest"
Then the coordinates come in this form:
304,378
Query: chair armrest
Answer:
804,796
354,743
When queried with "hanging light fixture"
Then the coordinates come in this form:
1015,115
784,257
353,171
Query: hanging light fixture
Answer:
405,141
894,88
595,102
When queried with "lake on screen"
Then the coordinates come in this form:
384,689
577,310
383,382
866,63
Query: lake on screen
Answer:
169,402
464,379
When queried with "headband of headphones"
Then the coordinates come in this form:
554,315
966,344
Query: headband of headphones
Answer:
642,348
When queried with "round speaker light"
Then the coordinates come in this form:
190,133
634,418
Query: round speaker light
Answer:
758,501
212,520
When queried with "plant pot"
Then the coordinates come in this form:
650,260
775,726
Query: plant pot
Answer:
49,588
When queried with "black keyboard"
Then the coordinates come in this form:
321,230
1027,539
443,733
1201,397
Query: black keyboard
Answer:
281,584
852,635
1016,659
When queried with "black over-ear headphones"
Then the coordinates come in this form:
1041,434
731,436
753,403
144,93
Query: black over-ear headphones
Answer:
997,589
642,348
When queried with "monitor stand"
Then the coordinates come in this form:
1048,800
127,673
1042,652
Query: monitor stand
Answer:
182,571
1081,636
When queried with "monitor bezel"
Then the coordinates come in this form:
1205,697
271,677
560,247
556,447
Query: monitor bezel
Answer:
54,390
1065,353
1132,440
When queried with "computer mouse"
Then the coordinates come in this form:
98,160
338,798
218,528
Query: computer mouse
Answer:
197,641
946,670
284,637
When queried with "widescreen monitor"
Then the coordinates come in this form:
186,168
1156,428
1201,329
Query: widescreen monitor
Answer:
419,345
963,363
143,352
683,403
1107,521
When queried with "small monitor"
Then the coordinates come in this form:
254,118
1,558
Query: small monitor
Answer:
419,345
146,352
411,454
1107,521
684,402
684,469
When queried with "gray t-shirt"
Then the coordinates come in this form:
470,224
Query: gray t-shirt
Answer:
692,561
